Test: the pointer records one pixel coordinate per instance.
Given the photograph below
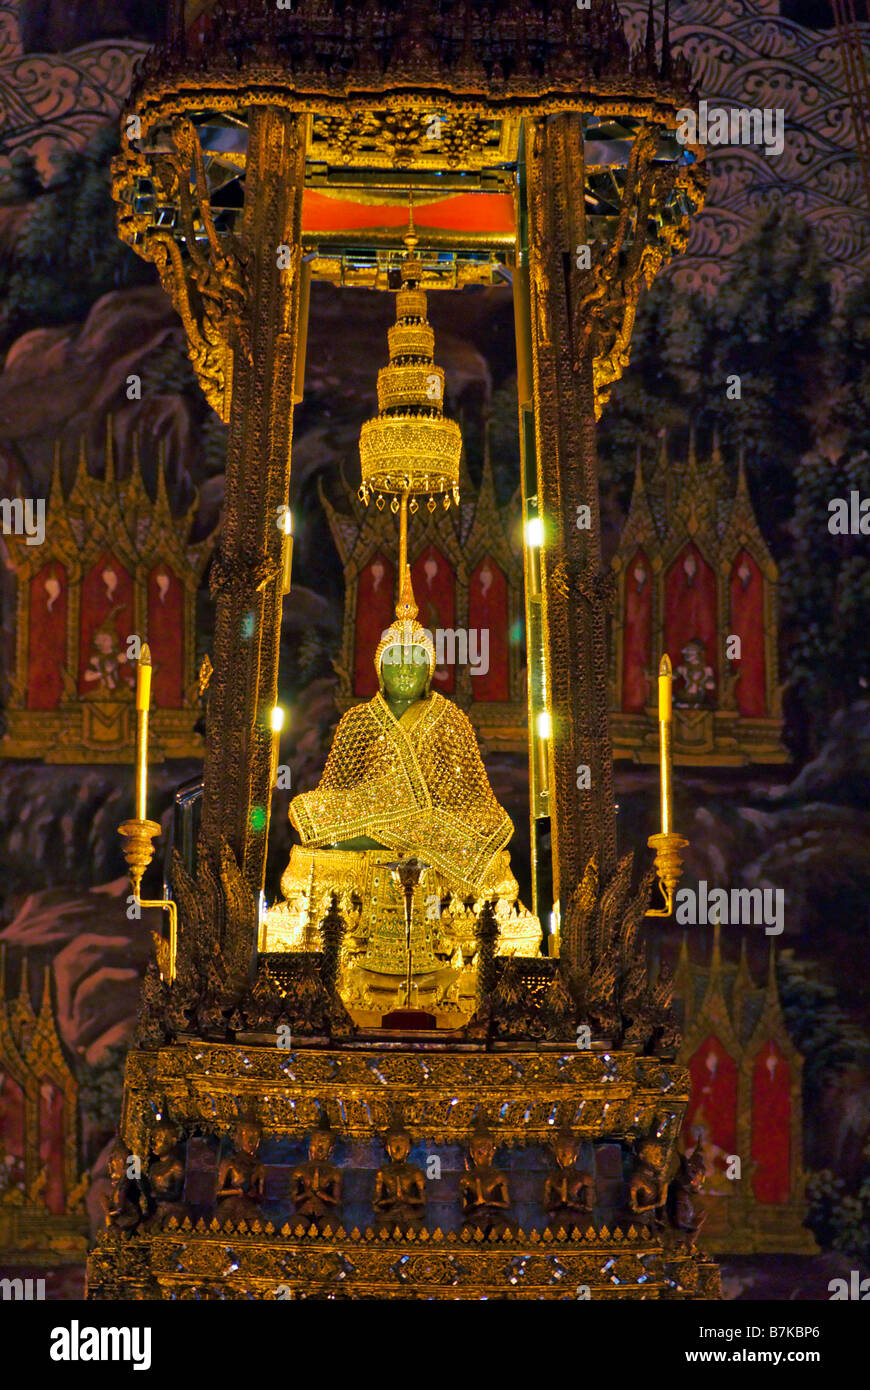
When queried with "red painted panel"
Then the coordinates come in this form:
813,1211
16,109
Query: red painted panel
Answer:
747,623
690,611
375,610
12,1133
166,636
771,1119
637,643
51,1137
488,612
46,655
466,212
712,1111
106,623
435,592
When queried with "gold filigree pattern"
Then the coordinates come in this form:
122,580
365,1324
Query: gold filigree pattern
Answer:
414,783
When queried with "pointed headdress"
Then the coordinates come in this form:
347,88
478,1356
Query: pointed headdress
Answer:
406,632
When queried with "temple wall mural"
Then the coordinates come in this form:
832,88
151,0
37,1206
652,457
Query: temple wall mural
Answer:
696,579
116,566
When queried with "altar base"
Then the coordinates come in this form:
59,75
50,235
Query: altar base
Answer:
609,1100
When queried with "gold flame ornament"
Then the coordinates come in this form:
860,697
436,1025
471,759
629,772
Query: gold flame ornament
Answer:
667,845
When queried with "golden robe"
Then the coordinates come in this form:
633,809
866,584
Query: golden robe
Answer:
416,785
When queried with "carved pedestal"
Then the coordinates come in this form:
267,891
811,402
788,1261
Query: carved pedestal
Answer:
609,1101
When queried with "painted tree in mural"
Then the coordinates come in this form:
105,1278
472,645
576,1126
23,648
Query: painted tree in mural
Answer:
767,332
826,595
772,327
66,254
850,358
826,576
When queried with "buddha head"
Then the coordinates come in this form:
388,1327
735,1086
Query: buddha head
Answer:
696,1167
565,1148
321,1142
246,1137
164,1138
398,1145
405,658
482,1144
116,1162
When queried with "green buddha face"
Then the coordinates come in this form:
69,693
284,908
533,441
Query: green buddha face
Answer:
405,671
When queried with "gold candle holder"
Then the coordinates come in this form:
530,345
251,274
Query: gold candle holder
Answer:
667,844
137,834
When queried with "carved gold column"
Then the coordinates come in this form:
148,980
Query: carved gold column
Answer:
247,574
583,298
573,589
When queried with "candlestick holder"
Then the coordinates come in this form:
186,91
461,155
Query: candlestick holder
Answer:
137,836
669,868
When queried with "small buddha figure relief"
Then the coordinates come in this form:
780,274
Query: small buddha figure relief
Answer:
316,1186
683,1212
404,780
240,1176
124,1202
400,1187
569,1193
646,1188
166,1174
484,1188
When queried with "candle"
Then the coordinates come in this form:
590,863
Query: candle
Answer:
544,730
143,701
276,721
665,716
287,550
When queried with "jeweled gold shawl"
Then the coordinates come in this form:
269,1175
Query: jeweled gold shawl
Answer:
416,784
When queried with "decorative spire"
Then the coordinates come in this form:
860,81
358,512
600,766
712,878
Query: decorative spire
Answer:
662,453
666,66
638,475
693,456
716,454
742,485
650,44
45,1009
55,490
110,450
81,478
716,958
407,605
771,988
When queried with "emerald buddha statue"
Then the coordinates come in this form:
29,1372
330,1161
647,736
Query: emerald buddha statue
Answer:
404,779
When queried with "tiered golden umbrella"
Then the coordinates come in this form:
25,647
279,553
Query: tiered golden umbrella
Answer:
409,450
